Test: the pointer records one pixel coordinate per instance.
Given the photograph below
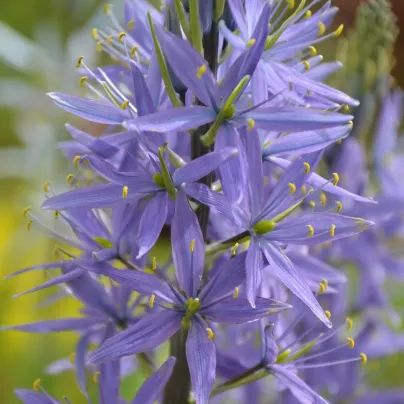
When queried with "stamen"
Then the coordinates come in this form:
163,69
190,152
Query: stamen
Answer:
125,104
308,14
292,188
26,210
83,80
211,335
321,29
130,24
151,301
350,123
337,33
46,186
291,3
251,123
96,377
121,35
200,71
351,342
306,64
56,214
303,189
323,198
154,263
235,294
192,245
349,323
133,51
76,161
332,230
306,167
325,282
29,224
107,8
311,230
69,178
312,51
234,249
36,384
110,39
335,180
125,190
251,42
323,288
339,206
312,204
94,33
98,46
328,314
346,108
364,358
79,60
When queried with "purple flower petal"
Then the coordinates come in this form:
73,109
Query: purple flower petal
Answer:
34,397
253,266
80,360
65,324
201,357
109,381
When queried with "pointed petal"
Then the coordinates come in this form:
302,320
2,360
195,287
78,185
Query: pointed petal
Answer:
253,266
202,166
34,397
287,273
92,110
152,222
184,229
109,381
154,385
201,357
239,311
65,324
173,120
149,332
144,102
52,265
80,361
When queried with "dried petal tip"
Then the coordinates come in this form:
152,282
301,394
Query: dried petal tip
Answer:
328,314
83,80
236,292
292,188
96,377
339,206
349,323
364,358
338,31
36,384
46,186
306,167
332,230
200,71
321,29
306,64
26,210
211,334
125,192
250,124
121,35
335,178
94,33
234,249
151,301
351,342
130,24
311,230
79,61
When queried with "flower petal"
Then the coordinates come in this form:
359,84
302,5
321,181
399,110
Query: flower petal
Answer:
64,324
34,397
253,266
201,357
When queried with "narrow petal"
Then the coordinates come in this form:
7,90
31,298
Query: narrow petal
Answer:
287,273
65,324
173,120
91,110
184,230
239,311
152,222
202,166
253,266
154,385
150,331
109,381
34,397
80,361
144,102
201,357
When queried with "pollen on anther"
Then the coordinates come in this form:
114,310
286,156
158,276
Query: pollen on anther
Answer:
339,206
349,323
110,39
323,198
308,14
83,80
325,282
234,249
121,35
235,294
125,190
56,214
251,42
311,230
351,342
312,204
328,314
79,61
69,178
107,8
335,178
292,188
303,189
332,230
130,24
125,104
200,71
192,246
364,358
211,335
94,33
46,186
306,64
26,210
291,3
312,51
346,108
76,161
321,28
151,301
338,31
154,263
250,123
322,288
36,384
306,167
98,46
96,376
133,51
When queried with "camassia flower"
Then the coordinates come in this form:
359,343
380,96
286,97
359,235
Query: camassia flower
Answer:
219,301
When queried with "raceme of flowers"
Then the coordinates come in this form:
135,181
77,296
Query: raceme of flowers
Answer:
216,121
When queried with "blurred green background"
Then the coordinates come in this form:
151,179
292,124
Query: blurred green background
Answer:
39,44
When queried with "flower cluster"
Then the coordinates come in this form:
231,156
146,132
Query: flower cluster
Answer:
216,124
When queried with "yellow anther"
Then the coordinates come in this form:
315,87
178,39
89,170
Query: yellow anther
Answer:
308,14
98,46
250,123
364,358
291,3
350,123
110,39
154,263
266,181
325,282
56,214
192,246
83,80
306,167
125,190
26,210
312,51
306,64
96,377
303,189
351,342
339,141
121,35
94,33
335,178
346,108
130,24
311,230
337,33
200,71
328,314
72,357
251,42
107,8
234,249
211,335
46,186
133,51
235,294
332,230
321,28
349,323
69,178
322,288
323,198
339,206
292,188
151,301
125,104
76,161
312,204
79,61
36,384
